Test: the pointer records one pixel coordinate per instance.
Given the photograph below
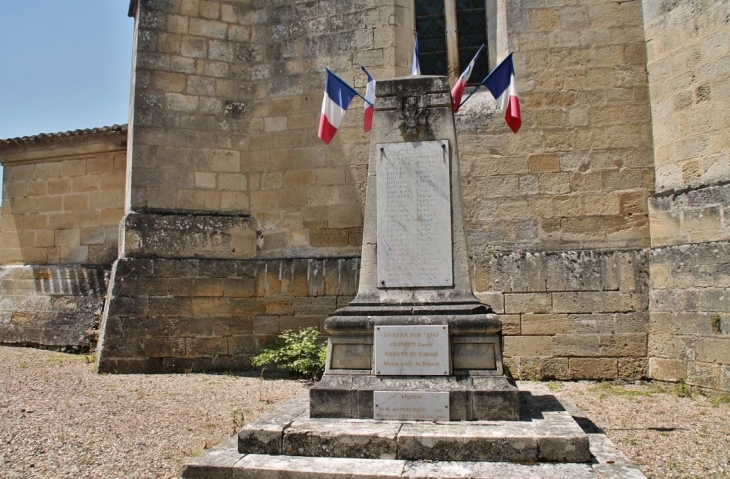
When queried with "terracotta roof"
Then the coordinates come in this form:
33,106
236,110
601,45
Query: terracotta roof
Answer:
43,137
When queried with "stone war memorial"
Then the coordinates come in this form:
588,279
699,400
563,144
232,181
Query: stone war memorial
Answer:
415,324
216,219
414,367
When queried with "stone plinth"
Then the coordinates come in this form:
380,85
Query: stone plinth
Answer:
288,444
545,432
414,276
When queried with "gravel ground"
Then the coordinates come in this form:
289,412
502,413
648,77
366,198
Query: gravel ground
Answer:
660,428
59,419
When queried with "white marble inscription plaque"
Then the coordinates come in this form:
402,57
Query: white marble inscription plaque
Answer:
411,350
414,215
411,405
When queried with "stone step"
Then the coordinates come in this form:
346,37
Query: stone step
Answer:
541,410
225,462
546,432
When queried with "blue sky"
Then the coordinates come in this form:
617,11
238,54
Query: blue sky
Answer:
64,64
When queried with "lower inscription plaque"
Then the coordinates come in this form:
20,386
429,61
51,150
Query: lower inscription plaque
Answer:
412,350
411,405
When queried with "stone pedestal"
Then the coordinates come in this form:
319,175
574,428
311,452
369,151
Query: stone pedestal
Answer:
414,275
546,443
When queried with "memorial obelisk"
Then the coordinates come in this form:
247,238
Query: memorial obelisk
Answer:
415,343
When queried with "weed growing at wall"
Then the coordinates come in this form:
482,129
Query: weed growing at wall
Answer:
683,390
716,322
296,351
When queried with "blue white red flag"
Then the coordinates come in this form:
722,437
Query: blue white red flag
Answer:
458,91
415,64
501,83
367,122
337,97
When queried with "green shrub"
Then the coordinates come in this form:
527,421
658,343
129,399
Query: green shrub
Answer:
296,351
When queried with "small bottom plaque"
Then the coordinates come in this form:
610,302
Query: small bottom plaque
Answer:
411,405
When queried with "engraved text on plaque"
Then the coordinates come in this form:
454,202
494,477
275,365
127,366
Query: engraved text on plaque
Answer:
414,215
412,350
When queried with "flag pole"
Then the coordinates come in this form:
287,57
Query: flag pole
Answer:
472,61
482,82
366,71
348,86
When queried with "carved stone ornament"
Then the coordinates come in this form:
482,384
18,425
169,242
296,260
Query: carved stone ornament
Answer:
413,115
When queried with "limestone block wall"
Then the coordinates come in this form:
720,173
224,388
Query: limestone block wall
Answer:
226,101
227,96
570,314
556,215
579,172
52,306
688,50
223,141
181,315
690,314
63,197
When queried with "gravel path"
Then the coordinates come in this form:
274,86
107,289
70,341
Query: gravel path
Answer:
58,419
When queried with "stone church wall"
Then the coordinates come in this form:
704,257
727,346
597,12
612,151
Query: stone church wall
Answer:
63,198
557,218
226,103
688,48
598,233
227,96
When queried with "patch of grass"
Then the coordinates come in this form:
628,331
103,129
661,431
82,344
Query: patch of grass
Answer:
237,420
555,386
606,389
683,390
196,451
720,400
60,358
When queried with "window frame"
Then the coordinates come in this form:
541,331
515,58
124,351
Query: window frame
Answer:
452,37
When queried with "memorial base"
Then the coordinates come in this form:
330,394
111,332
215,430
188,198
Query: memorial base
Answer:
468,363
490,398
546,443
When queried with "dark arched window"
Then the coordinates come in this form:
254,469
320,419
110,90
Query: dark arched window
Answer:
449,34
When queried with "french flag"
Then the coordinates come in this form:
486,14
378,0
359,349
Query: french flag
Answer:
415,63
501,83
337,97
458,91
367,122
